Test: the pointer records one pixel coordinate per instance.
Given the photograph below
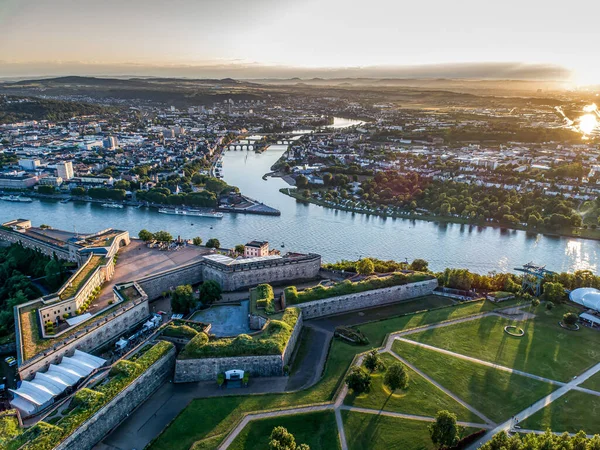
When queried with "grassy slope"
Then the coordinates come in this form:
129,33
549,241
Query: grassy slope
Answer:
204,418
373,432
546,349
497,394
572,412
318,430
421,397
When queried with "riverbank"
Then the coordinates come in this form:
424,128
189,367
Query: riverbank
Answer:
250,206
573,233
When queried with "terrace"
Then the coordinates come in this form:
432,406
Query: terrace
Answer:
73,285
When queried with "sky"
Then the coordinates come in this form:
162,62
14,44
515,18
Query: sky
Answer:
51,36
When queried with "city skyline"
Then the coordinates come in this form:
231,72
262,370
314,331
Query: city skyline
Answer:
285,39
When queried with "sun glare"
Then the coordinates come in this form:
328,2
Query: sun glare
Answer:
588,123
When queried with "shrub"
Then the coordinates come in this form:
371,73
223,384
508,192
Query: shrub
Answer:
221,379
291,295
570,319
265,298
549,306
272,341
181,331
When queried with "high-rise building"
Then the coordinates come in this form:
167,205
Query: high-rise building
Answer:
29,164
110,143
65,170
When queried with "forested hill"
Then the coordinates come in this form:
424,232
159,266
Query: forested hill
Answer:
15,109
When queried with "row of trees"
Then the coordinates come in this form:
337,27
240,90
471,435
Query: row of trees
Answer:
366,266
548,440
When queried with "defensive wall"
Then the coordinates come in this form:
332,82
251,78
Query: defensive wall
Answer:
233,277
206,369
113,413
367,299
154,285
93,334
57,308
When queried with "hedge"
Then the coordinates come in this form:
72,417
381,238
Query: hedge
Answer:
265,298
292,296
9,427
180,331
272,341
86,402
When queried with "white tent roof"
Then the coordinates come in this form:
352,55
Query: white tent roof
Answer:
590,318
588,297
33,396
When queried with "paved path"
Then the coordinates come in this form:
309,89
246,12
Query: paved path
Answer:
311,368
483,363
444,390
249,417
408,416
537,406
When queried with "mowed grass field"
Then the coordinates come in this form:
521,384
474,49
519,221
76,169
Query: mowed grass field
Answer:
421,398
205,422
317,430
592,383
375,432
495,393
572,412
546,349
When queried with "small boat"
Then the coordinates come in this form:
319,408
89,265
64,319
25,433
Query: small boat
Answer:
66,200
283,244
15,198
191,212
112,205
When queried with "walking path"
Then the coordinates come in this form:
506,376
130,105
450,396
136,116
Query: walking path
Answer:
483,363
443,389
540,404
408,416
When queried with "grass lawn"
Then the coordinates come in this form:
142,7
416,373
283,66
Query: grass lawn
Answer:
373,432
318,430
421,397
546,349
592,383
205,419
497,394
572,412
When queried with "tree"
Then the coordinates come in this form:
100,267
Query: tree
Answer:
182,299
282,439
549,306
145,235
210,292
419,265
358,380
365,266
570,319
301,181
373,361
54,273
444,431
163,236
213,243
554,292
396,377
197,241
535,302
239,249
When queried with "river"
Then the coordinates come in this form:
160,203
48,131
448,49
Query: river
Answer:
331,233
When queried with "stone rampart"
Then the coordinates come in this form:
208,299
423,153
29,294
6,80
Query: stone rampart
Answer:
113,413
93,335
367,299
206,369
155,285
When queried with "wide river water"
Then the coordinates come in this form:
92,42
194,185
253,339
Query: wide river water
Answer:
331,233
